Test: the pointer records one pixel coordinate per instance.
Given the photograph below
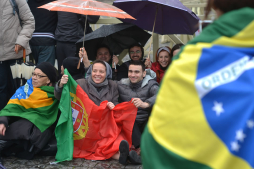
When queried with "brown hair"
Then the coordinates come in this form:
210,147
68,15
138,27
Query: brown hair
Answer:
157,56
227,5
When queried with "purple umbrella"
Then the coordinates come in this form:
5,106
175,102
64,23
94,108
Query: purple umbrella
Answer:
166,16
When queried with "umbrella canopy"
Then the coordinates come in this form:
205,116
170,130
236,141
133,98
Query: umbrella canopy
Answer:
172,17
86,7
117,37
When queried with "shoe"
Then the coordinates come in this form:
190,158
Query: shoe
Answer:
124,152
134,158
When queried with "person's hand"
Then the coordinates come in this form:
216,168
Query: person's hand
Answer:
139,103
2,129
63,80
110,105
18,48
83,54
148,63
114,60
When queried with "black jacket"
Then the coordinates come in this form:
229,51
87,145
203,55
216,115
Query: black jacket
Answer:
70,26
45,22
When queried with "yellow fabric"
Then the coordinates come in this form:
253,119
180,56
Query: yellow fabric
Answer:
178,103
37,99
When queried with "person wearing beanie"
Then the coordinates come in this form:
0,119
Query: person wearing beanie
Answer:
27,122
136,52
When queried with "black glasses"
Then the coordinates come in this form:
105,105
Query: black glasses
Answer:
38,76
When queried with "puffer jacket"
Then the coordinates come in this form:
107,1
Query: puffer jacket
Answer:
11,32
147,93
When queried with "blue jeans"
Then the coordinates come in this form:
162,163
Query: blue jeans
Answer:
44,54
7,86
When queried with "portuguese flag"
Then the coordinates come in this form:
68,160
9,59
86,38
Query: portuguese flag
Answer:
88,131
203,117
37,105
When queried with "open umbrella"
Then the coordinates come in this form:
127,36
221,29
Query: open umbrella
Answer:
166,16
86,7
117,37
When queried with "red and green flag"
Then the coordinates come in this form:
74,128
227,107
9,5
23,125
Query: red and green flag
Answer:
37,105
88,131
203,117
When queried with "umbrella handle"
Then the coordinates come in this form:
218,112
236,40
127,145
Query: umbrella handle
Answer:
24,55
80,60
152,32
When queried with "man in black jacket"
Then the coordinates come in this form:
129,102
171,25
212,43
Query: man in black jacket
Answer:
70,28
43,41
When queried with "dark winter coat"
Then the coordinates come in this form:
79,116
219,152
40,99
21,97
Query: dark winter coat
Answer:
147,93
70,26
45,23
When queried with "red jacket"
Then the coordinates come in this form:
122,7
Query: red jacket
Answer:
159,72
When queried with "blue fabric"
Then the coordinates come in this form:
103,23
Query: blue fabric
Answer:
21,92
228,102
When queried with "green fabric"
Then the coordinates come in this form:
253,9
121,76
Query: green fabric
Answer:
157,157
64,128
42,117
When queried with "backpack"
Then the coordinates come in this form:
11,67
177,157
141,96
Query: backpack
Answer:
16,9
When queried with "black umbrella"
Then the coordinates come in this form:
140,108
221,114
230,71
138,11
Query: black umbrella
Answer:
117,37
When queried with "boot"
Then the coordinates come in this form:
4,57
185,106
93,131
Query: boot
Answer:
134,158
124,152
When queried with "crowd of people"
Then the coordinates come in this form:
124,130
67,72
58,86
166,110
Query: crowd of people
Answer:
50,36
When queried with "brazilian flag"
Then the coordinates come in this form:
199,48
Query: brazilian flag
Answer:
203,117
37,105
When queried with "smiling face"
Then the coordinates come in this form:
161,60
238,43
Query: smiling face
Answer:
164,58
98,73
135,73
103,54
39,78
136,53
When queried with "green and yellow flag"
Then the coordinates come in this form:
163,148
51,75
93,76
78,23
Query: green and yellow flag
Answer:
37,105
203,117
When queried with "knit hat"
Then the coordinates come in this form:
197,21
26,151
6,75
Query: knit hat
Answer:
70,63
49,70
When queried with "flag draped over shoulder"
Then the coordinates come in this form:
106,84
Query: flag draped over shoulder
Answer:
37,105
204,113
88,131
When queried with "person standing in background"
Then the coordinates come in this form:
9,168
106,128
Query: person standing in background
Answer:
70,28
43,41
13,39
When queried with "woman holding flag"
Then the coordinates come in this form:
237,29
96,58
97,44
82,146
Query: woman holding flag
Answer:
99,87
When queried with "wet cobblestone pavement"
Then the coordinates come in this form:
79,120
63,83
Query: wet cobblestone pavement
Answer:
43,162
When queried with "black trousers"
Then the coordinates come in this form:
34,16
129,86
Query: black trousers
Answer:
137,131
64,50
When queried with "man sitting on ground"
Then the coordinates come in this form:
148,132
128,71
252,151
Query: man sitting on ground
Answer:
142,88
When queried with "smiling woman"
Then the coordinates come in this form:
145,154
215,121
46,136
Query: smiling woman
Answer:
163,60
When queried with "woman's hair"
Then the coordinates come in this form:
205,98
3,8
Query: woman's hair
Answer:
177,46
227,5
100,61
157,54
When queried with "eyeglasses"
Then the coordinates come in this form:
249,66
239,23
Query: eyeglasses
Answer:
38,76
137,52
